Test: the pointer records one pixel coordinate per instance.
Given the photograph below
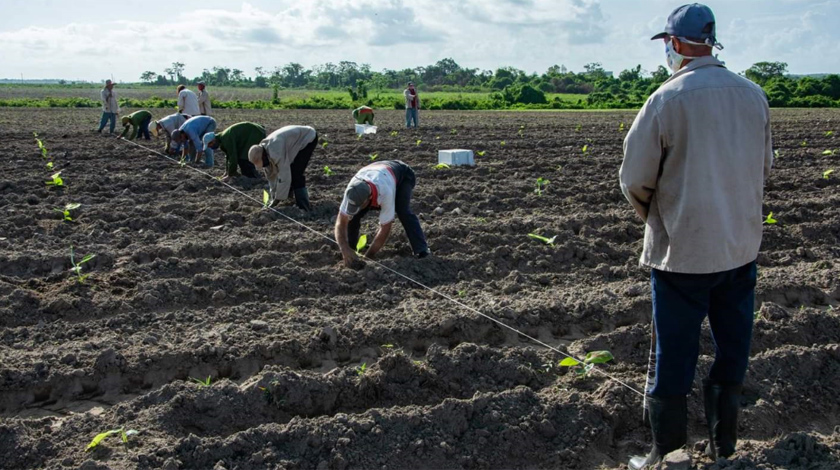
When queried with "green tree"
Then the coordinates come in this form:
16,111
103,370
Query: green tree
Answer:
761,72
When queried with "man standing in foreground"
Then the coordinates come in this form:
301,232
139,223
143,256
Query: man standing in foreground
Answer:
204,100
695,162
187,102
412,105
284,156
110,107
387,187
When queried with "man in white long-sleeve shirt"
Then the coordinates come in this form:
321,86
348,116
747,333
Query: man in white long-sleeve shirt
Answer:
187,102
110,107
168,125
204,100
695,162
284,155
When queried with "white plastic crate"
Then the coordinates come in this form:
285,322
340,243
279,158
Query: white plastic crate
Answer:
365,129
456,157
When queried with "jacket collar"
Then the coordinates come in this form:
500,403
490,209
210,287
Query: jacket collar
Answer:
705,61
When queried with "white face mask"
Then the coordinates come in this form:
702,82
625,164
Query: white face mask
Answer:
675,59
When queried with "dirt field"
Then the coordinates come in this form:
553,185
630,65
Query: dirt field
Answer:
316,366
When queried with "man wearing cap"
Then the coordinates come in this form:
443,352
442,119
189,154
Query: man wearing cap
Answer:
168,126
695,163
110,107
236,141
204,107
385,186
412,105
187,102
284,156
363,115
190,135
138,123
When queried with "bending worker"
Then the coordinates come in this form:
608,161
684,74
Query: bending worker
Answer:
190,135
169,125
385,186
695,162
187,101
284,156
138,122
363,115
236,141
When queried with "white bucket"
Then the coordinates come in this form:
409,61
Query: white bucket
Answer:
456,157
365,129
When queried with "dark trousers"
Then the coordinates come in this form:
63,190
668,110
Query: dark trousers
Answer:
680,303
298,167
410,222
248,169
144,129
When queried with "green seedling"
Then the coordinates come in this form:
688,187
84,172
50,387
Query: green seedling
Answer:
360,371
502,143
585,149
547,241
453,131
100,437
202,383
770,220
327,171
757,315
49,165
291,311
388,346
804,143
521,131
578,128
621,127
829,133
361,244
183,161
373,156
324,144
776,154
462,293
67,209
582,369
829,153
481,220
418,142
359,136
266,197
481,153
56,180
437,137
827,174
77,267
540,185
394,133
441,166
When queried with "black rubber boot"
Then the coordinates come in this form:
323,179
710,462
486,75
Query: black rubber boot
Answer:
668,421
722,403
302,199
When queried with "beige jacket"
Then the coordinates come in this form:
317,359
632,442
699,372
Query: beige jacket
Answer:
204,103
283,145
109,101
695,163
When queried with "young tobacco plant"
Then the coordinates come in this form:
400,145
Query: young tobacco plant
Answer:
829,153
547,241
77,267
582,369
56,180
202,383
373,157
441,166
361,244
266,198
481,153
827,173
540,185
327,171
770,220
360,371
394,133
101,436
66,211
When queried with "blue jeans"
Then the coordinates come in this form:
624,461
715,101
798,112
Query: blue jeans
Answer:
411,115
105,118
144,129
680,303
410,222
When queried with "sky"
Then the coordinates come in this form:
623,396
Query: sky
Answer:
93,40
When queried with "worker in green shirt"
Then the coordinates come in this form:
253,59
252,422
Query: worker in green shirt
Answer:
139,122
235,141
363,115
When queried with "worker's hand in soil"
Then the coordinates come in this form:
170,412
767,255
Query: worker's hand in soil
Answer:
353,262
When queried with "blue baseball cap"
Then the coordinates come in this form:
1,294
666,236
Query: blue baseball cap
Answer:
694,21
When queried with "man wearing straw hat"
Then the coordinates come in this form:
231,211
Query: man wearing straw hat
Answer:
695,162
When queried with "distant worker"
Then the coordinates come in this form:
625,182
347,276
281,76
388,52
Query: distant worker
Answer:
190,135
187,102
412,105
110,107
236,141
385,186
284,156
138,122
204,107
363,115
168,126
695,163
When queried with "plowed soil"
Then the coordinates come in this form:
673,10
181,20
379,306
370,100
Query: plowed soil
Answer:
312,365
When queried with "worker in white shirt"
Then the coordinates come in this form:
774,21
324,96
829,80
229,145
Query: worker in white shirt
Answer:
284,155
187,102
110,107
204,100
168,125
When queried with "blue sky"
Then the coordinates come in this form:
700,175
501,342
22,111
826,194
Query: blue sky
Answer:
92,40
